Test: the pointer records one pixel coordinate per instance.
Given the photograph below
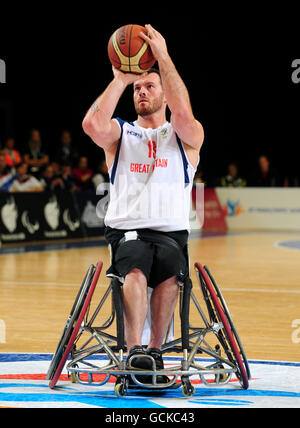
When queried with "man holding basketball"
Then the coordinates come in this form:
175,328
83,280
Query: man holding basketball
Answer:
151,165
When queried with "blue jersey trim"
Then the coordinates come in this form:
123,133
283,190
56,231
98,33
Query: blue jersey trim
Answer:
184,161
114,168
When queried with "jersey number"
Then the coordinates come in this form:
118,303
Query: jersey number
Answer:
152,149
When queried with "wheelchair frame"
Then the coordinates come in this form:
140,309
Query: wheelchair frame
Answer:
226,358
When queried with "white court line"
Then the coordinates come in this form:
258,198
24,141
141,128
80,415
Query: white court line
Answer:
71,284
41,283
260,290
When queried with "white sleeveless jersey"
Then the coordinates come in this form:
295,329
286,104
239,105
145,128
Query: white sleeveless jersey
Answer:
150,180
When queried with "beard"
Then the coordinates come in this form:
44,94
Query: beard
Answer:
150,107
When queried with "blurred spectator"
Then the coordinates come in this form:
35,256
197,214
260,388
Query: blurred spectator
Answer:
67,176
6,175
232,179
83,174
56,167
35,157
25,182
4,168
101,176
265,175
291,180
12,156
51,180
67,152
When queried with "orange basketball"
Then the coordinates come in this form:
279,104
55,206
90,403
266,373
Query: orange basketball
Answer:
128,52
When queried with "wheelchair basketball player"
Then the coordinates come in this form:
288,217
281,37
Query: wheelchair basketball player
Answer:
151,165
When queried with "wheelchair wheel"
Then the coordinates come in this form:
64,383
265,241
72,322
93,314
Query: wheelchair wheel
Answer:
73,324
233,329
225,335
70,322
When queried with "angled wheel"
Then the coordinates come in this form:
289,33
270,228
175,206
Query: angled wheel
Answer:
226,335
233,329
68,329
73,324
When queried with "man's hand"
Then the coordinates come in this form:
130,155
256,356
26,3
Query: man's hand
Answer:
156,41
126,78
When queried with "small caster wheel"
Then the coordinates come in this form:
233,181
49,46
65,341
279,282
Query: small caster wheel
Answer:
72,375
119,390
121,387
73,378
224,377
188,389
221,378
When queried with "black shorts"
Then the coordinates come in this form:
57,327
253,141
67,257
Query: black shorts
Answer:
158,261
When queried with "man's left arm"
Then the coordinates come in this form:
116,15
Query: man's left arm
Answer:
189,130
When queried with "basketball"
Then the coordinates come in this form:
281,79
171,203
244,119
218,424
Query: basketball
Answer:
128,52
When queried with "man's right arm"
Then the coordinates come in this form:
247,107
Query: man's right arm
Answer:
98,123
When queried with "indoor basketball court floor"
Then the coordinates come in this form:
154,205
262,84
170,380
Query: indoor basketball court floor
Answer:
258,274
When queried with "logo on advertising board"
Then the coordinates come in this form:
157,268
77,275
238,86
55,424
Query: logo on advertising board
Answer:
233,208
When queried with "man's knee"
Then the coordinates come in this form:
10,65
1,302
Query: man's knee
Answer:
137,276
170,283
167,289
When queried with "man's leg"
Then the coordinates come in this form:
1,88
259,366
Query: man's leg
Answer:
163,303
135,301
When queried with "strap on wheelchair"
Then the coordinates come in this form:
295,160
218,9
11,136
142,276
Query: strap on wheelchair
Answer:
150,237
185,312
119,311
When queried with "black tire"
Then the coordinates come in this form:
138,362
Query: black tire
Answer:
71,322
225,334
227,313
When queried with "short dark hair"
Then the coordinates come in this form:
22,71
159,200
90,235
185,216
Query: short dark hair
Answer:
154,70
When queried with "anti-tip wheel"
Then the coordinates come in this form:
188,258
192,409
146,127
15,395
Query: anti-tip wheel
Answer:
188,389
121,387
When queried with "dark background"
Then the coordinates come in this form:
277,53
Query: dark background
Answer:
238,74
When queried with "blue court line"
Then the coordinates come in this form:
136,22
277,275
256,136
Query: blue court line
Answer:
99,399
136,398
15,357
36,248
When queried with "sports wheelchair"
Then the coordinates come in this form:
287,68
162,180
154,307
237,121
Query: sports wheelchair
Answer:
216,337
